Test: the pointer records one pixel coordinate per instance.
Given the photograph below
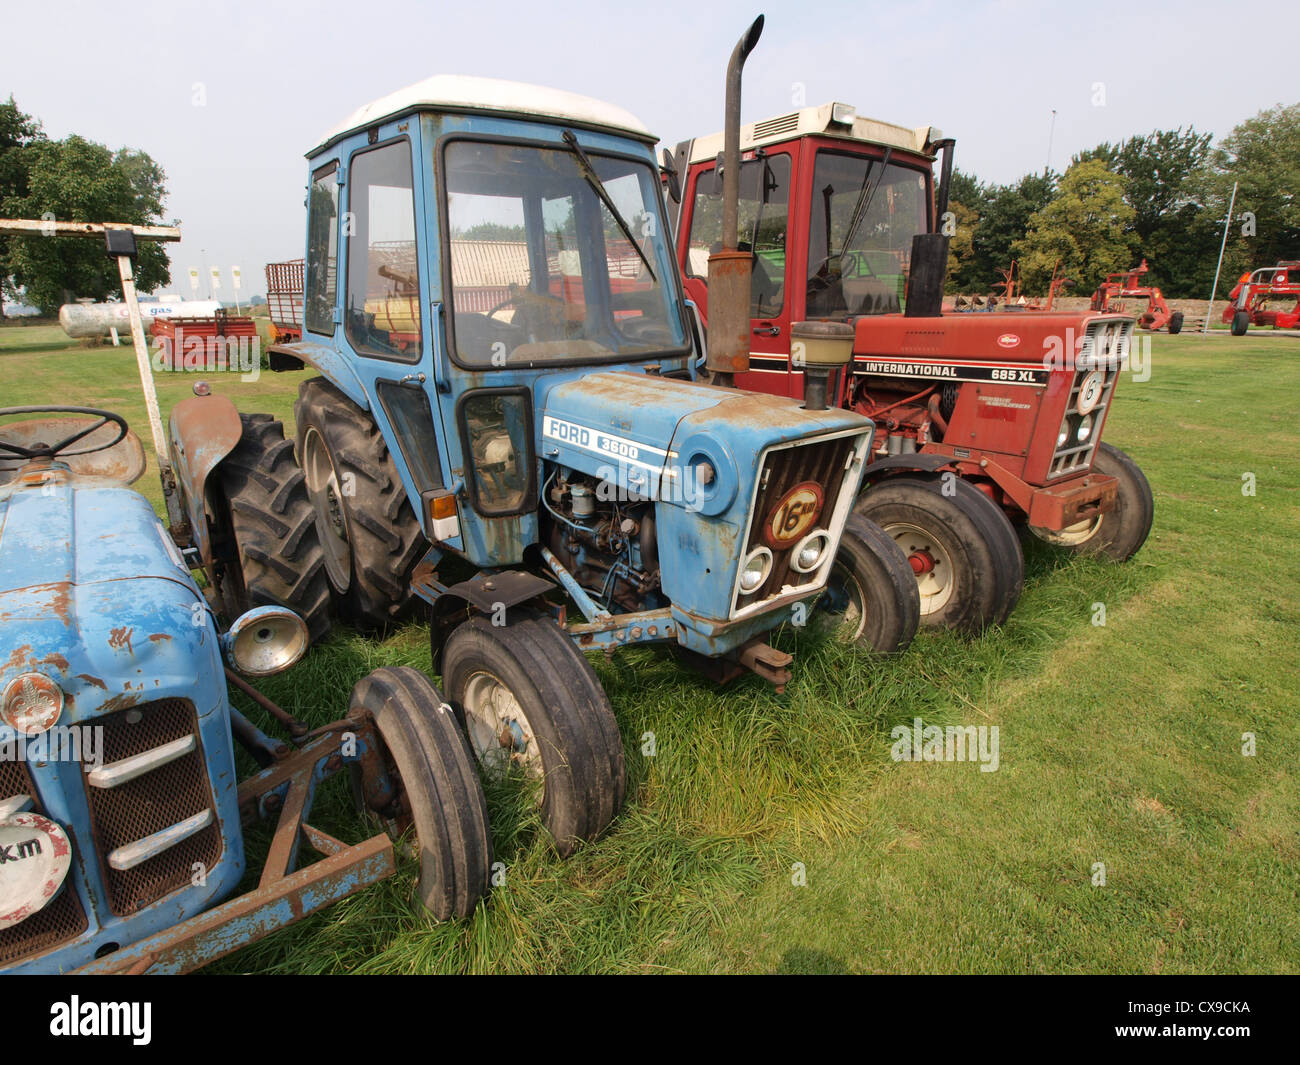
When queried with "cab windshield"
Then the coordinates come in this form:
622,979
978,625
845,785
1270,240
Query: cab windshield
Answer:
541,271
864,215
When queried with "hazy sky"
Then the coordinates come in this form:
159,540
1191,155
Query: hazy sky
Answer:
275,76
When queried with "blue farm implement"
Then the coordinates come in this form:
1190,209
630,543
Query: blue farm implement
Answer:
507,375
121,817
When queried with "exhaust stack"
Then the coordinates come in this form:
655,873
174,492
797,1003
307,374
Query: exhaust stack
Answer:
730,268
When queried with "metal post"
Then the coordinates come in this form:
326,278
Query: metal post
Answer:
1209,309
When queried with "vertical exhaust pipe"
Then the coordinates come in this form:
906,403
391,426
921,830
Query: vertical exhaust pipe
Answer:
730,268
929,266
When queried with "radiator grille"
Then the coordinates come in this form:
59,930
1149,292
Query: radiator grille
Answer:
63,918
150,803
822,462
1105,350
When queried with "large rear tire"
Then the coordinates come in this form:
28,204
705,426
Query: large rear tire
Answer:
529,701
1118,533
1175,323
871,596
437,790
370,535
965,556
280,560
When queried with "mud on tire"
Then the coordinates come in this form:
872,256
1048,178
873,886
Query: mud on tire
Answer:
279,554
370,535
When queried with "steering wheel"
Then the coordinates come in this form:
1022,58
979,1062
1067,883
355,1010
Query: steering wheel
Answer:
106,417
852,264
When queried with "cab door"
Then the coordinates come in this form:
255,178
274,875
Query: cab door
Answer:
764,220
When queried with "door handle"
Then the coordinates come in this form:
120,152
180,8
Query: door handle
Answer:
766,331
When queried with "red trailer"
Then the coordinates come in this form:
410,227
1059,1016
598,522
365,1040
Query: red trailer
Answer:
284,289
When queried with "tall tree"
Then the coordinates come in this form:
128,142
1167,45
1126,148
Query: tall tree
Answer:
1161,171
1004,213
1086,226
76,180
1262,155
17,130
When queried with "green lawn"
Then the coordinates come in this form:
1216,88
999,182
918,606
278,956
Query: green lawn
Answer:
1120,744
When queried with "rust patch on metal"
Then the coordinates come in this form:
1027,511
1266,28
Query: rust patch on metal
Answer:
159,637
18,656
119,702
92,680
119,638
55,660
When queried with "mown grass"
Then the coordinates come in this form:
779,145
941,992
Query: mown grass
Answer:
1121,744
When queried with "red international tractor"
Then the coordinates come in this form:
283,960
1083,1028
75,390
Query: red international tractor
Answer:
1117,288
983,420
1269,296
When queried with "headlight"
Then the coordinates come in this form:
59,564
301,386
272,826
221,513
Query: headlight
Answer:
1063,435
810,552
265,640
1090,392
1085,428
757,566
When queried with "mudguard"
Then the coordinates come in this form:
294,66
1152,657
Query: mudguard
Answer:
203,430
483,594
324,360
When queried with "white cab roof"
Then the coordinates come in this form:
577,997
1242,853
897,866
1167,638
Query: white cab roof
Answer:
820,120
455,92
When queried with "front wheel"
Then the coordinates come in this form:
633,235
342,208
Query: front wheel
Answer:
435,788
870,596
1175,323
1240,323
530,704
964,554
1118,533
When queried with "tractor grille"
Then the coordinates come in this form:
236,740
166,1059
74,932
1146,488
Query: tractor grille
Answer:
1104,351
63,918
822,462
130,813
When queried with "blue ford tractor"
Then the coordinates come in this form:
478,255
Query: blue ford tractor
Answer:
508,375
121,815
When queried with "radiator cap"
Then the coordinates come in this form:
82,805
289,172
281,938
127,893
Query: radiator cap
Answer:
34,859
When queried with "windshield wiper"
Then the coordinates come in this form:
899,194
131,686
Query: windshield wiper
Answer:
865,195
598,187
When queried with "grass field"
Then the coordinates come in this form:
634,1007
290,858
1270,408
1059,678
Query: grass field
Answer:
1121,746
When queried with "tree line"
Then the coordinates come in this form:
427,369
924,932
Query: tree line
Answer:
72,180
1162,196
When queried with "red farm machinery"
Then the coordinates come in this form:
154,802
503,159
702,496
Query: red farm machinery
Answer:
1117,288
984,421
1268,296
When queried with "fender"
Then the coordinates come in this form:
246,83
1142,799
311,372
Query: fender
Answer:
915,462
203,431
324,360
484,594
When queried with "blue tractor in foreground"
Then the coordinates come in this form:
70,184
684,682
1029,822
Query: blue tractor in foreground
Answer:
509,376
121,813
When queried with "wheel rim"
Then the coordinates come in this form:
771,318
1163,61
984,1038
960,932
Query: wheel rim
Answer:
327,500
931,564
499,731
843,605
1072,535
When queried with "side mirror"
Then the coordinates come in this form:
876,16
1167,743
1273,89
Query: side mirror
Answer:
671,178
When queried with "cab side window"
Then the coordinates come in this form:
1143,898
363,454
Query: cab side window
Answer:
383,296
322,250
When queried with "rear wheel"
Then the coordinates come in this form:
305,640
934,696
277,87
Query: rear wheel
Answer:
1175,323
530,704
370,535
1118,533
1240,323
436,789
870,596
280,560
964,554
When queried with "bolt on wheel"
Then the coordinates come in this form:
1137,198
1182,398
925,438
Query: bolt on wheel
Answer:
499,731
930,561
